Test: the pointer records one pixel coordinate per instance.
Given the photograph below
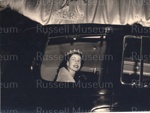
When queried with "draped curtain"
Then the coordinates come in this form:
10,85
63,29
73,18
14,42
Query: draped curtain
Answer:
116,12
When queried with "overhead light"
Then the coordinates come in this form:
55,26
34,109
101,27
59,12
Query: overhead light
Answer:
92,37
74,38
31,67
104,37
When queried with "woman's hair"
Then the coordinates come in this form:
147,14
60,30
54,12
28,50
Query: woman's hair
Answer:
67,57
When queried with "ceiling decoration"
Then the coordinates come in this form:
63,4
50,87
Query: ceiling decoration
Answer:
115,12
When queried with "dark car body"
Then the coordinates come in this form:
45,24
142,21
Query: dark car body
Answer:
29,92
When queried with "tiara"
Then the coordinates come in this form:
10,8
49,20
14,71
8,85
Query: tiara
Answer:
74,51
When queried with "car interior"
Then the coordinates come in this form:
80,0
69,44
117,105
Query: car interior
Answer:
93,50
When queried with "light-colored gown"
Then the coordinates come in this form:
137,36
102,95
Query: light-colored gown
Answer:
64,76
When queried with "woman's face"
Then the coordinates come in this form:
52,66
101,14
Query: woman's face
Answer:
74,62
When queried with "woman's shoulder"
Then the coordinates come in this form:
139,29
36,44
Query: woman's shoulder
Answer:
64,76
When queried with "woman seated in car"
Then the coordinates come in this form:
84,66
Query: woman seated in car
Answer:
71,64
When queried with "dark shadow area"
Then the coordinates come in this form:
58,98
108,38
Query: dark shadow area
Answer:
24,90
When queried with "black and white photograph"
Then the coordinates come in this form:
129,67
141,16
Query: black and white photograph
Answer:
74,56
